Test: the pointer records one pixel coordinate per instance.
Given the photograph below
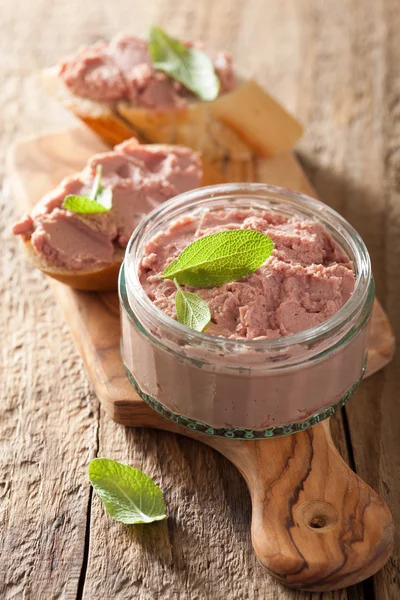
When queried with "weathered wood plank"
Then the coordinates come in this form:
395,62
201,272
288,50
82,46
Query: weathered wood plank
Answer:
374,420
351,152
47,435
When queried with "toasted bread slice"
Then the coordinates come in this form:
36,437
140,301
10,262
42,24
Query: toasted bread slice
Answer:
85,250
236,126
193,126
99,280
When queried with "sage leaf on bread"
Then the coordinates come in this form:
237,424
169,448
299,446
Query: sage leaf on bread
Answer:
193,68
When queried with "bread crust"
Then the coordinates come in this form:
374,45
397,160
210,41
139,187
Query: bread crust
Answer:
104,279
100,117
109,127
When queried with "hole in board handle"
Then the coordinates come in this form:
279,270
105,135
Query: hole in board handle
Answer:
317,515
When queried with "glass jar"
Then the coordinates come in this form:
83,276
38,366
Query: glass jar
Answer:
244,389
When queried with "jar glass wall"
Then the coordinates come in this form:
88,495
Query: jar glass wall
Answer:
244,388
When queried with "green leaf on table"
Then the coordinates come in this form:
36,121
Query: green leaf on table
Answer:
219,258
128,494
98,201
193,68
191,310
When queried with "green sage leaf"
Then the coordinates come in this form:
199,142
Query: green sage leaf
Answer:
220,258
81,204
191,310
128,494
193,68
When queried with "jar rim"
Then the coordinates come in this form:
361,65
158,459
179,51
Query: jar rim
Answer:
258,192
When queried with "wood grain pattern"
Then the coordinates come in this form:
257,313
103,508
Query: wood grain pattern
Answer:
315,524
285,476
48,421
334,64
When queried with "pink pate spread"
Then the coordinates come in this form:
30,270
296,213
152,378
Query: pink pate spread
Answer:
141,177
305,281
122,70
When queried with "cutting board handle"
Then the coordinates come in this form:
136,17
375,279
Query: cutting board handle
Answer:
316,525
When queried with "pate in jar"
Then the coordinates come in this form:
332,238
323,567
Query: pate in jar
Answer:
285,347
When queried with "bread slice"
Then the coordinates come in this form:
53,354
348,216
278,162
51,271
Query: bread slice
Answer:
193,126
98,280
237,126
84,250
257,118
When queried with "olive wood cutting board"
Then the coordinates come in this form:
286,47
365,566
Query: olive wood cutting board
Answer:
316,525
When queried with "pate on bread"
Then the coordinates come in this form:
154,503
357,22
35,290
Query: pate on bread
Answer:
86,250
115,90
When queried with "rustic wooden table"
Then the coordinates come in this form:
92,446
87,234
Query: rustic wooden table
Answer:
334,64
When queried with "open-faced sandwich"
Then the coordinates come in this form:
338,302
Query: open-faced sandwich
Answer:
78,232
166,91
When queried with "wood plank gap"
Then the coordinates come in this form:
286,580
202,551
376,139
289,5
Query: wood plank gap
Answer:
347,437
369,589
85,560
368,584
